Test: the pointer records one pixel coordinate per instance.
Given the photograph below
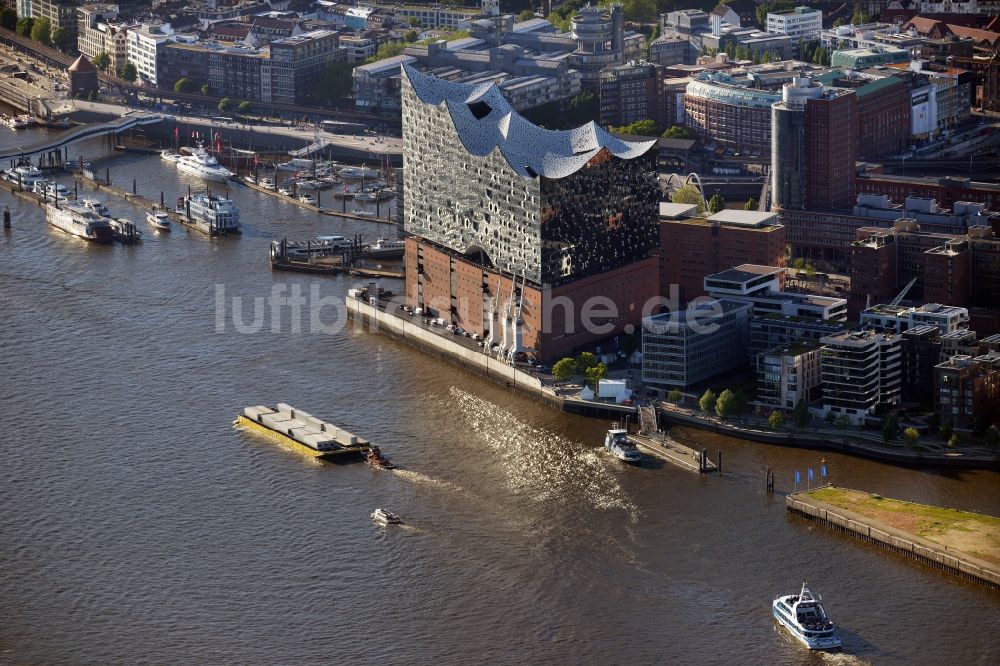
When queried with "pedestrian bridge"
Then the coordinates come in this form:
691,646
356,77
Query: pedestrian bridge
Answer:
55,141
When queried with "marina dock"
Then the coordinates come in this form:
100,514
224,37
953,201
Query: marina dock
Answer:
931,548
671,451
317,208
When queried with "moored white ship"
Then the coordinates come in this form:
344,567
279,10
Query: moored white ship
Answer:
200,163
80,221
385,248
803,615
209,213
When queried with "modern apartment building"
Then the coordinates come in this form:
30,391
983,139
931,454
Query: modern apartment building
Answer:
789,373
144,47
689,347
513,227
860,370
901,318
762,288
296,64
968,391
730,112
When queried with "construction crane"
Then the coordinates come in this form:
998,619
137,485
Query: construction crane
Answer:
901,295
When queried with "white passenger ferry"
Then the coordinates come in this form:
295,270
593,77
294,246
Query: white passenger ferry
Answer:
618,443
803,615
79,221
209,213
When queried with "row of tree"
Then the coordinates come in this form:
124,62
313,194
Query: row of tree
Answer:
39,29
586,364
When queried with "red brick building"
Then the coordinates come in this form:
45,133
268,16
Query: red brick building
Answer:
830,159
692,248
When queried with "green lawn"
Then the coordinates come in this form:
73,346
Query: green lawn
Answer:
972,533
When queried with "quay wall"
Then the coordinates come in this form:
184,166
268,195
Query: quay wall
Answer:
814,441
911,546
449,350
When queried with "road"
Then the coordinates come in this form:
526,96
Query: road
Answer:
379,145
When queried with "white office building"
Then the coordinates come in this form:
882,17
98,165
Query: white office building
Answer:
143,46
946,318
800,23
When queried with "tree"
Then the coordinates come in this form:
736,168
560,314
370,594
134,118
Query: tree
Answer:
716,203
102,61
585,361
63,40
596,373
8,18
911,436
689,194
842,422
830,418
725,404
41,31
800,415
387,50
334,83
410,36
776,420
751,204
993,437
24,26
526,15
739,403
946,430
679,132
244,108
185,85
890,429
954,440
810,271
206,89
413,21
638,128
564,369
226,105
675,396
839,22
707,401
860,16
129,72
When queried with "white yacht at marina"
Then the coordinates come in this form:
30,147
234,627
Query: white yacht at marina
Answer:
200,163
803,615
25,174
80,221
159,219
95,206
384,248
358,173
210,213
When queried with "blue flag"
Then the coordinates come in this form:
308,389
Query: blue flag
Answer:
798,476
822,471
810,473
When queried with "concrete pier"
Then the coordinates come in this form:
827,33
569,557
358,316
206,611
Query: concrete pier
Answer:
673,452
898,541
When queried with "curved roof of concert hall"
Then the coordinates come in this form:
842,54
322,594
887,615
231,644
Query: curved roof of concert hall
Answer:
485,121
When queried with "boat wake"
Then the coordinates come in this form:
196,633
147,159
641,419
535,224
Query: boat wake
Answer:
843,659
420,479
541,463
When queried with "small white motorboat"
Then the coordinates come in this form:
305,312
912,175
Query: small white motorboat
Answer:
803,615
285,191
307,199
159,219
618,443
267,182
385,517
363,213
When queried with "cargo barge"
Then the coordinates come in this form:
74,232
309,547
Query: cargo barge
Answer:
302,431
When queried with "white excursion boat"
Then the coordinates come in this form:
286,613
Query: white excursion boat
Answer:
79,221
803,615
159,219
170,156
200,163
209,213
366,196
363,213
384,517
618,443
307,199
95,206
385,248
25,174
